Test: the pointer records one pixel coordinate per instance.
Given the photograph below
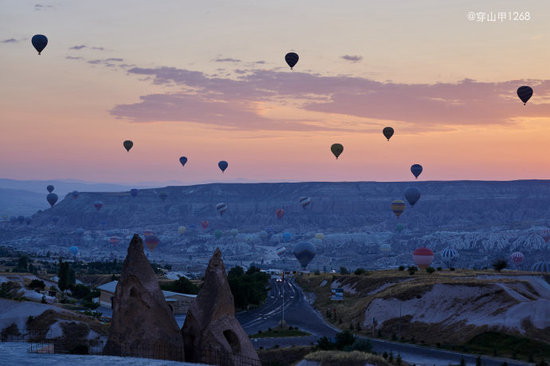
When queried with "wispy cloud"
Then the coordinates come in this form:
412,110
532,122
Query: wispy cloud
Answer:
11,40
227,59
233,101
77,47
73,58
40,7
114,59
82,46
351,58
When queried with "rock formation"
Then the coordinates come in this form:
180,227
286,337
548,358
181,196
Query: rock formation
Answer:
142,325
211,333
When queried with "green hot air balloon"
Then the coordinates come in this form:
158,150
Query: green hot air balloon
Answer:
337,149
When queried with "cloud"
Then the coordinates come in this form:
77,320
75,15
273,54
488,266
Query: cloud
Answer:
10,40
39,7
73,58
78,47
228,59
114,59
97,48
82,46
95,62
233,101
352,58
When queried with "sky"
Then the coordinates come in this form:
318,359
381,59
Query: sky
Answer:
207,80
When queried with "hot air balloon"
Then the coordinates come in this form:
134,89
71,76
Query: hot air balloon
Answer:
98,205
517,258
412,194
388,132
449,256
304,201
399,228
114,240
163,196
337,149
398,207
304,252
223,165
28,220
39,41
152,241
50,188
291,59
148,232
385,248
319,236
182,229
73,250
128,144
423,257
79,231
287,236
543,267
280,251
51,198
204,224
525,93
183,160
280,213
221,207
218,234
546,235
133,192
75,194
416,169
234,232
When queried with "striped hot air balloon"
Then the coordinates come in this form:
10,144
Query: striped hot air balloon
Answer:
398,206
449,256
541,267
423,257
517,258
152,241
221,207
114,240
305,201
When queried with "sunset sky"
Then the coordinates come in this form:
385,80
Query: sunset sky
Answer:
207,80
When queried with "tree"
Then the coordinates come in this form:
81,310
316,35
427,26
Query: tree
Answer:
344,270
359,271
181,285
500,264
66,276
23,264
430,270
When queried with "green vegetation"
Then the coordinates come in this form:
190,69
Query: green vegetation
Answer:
430,270
10,290
505,345
181,285
412,270
36,284
66,275
345,341
499,264
277,332
248,288
355,358
344,270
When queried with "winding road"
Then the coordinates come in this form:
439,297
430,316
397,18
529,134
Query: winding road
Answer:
298,312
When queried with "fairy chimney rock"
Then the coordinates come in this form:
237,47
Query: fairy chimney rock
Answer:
211,330
142,324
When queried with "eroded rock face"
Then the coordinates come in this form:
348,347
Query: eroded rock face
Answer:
211,333
143,324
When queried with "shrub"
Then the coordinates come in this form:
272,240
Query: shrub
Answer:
401,268
344,270
412,270
439,269
37,284
362,345
499,264
359,271
430,270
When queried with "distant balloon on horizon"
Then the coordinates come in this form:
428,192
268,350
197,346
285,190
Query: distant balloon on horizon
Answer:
416,170
39,42
291,59
183,160
524,93
223,165
128,144
388,132
337,149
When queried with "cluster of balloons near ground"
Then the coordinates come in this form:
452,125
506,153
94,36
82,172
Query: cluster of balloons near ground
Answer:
304,251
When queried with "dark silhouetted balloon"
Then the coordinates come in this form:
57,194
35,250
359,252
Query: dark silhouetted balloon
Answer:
388,132
133,192
128,144
337,149
98,205
223,165
412,195
305,201
304,252
183,160
525,93
221,207
163,196
39,41
50,188
280,213
52,198
291,59
398,207
416,169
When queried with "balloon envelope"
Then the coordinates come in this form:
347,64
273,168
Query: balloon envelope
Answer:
448,256
524,93
416,169
280,213
388,132
291,59
75,194
152,241
128,144
223,165
304,201
182,229
50,188
51,198
517,258
163,196
204,224
133,192
98,205
337,149
221,207
304,252
423,257
114,240
183,160
385,248
287,236
73,250
218,234
319,236
398,207
39,41
412,194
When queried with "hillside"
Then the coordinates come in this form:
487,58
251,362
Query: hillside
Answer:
441,308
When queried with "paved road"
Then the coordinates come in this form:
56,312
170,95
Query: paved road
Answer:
298,312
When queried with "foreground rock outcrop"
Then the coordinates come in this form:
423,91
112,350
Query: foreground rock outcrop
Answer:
142,325
211,333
